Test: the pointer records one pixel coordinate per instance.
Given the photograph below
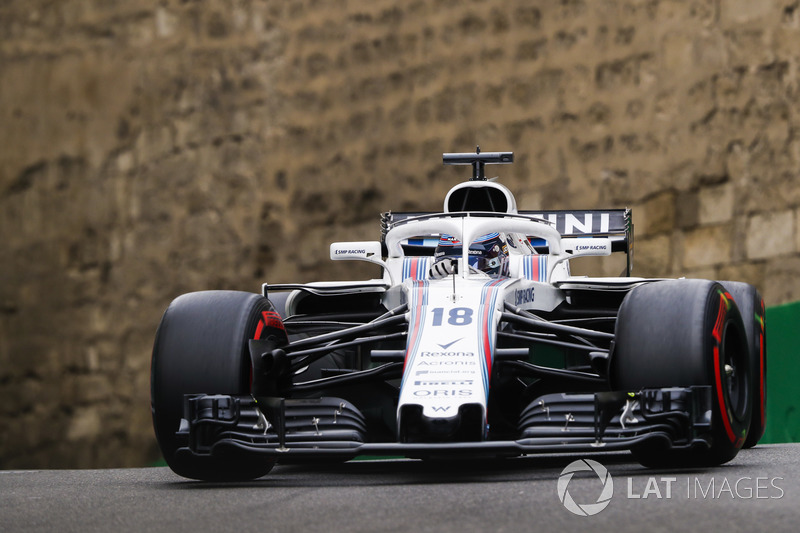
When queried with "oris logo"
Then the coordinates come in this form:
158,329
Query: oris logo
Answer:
443,393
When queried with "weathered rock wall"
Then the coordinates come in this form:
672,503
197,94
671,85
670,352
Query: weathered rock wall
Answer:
153,148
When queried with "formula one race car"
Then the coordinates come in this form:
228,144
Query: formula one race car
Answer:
475,341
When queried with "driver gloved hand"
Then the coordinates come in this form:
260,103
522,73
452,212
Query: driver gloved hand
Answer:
443,268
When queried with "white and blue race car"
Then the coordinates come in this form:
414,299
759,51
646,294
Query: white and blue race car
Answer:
474,341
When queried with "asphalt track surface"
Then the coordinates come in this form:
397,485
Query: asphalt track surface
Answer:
758,491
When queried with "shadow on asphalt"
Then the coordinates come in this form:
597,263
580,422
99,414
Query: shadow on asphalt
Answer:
398,471
418,472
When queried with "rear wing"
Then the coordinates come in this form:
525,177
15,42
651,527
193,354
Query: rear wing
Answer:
615,224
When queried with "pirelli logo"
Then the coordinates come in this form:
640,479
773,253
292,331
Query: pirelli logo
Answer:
443,382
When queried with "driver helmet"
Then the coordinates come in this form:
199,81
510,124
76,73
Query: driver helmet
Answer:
488,253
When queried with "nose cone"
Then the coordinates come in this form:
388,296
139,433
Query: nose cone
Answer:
465,426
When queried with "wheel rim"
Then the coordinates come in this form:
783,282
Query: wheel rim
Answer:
735,372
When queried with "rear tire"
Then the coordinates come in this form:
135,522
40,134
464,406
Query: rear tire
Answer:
751,306
201,346
682,333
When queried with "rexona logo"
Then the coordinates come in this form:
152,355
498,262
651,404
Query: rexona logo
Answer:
446,354
603,499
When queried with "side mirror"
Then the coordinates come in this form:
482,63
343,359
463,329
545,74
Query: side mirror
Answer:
572,248
369,251
357,251
584,247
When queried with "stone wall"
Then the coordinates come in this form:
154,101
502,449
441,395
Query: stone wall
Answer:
150,148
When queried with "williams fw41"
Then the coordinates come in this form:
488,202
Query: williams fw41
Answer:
474,341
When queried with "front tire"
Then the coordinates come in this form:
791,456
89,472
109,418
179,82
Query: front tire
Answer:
751,306
682,333
201,346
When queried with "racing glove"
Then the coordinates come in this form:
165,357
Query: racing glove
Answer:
443,268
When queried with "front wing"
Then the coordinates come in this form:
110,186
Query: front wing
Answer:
555,423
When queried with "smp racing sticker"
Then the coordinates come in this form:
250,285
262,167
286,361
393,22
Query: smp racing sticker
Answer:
523,296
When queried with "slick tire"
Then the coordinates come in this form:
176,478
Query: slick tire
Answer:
201,346
751,307
682,333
